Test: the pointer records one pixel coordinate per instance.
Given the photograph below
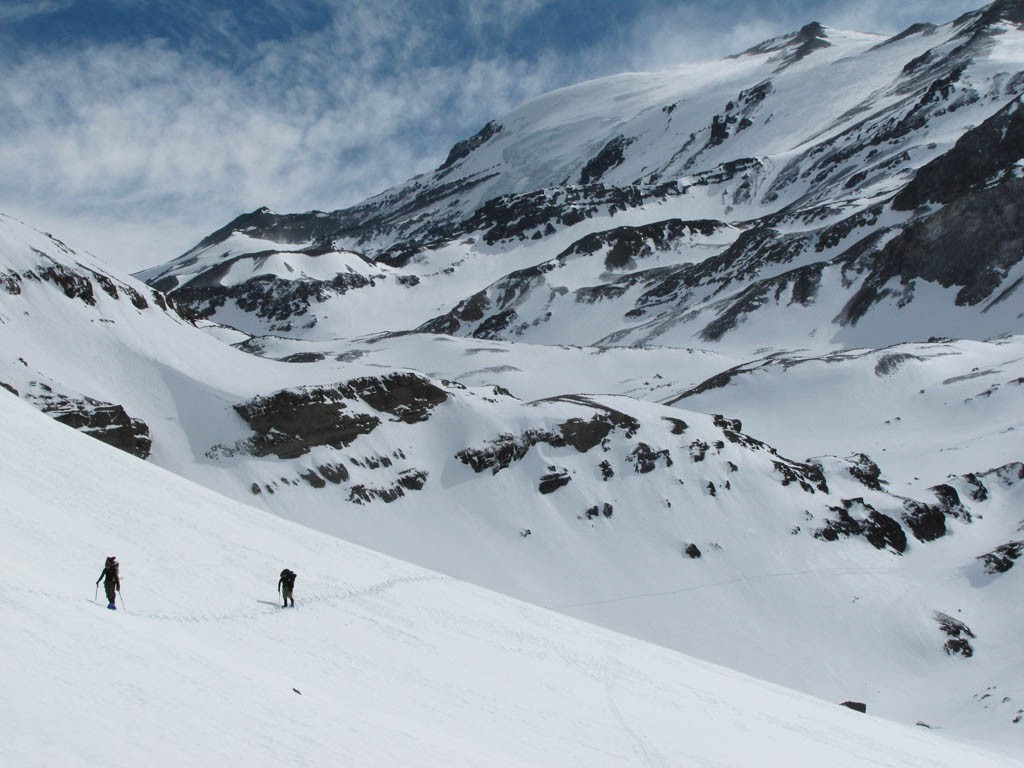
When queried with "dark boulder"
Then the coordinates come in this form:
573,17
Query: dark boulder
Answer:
552,482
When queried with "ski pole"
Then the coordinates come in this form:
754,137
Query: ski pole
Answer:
123,606
96,594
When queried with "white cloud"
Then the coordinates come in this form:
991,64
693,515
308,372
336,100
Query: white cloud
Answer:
139,134
19,10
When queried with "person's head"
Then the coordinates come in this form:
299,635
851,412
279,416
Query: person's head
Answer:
111,560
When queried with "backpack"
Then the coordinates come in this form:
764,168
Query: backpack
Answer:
288,578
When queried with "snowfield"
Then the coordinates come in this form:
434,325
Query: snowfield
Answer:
381,663
727,358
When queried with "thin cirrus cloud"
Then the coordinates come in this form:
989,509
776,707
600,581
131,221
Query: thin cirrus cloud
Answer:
136,147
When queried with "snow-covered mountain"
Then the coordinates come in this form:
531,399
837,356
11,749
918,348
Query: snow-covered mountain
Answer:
381,662
727,358
675,526
827,188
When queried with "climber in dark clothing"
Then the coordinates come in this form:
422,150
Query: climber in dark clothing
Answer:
285,584
111,581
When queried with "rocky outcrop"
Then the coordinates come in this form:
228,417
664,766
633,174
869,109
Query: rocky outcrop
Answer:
959,635
107,422
581,434
408,397
879,529
290,422
552,481
1001,559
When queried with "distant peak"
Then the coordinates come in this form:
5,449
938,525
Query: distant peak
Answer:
794,46
1004,10
810,32
993,13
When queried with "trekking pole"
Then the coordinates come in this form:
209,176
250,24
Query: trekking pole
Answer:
96,594
123,606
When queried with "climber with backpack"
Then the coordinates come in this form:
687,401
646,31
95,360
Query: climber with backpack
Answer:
111,581
285,584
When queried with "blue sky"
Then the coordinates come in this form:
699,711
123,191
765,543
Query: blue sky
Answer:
132,128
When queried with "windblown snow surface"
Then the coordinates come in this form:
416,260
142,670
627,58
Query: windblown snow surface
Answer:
381,663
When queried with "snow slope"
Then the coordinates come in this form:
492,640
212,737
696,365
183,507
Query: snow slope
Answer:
451,477
381,663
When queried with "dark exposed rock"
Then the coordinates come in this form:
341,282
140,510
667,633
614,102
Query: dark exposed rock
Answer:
722,422
610,156
978,491
360,494
552,482
504,450
626,246
291,422
314,415
698,450
514,217
255,489
891,362
692,551
856,706
645,459
880,530
975,239
413,479
865,471
925,520
606,470
607,510
958,633
334,473
466,146
678,425
9,388
107,422
311,477
10,282
579,433
584,435
950,502
1001,559
793,47
408,396
977,157
807,476
266,296
303,357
